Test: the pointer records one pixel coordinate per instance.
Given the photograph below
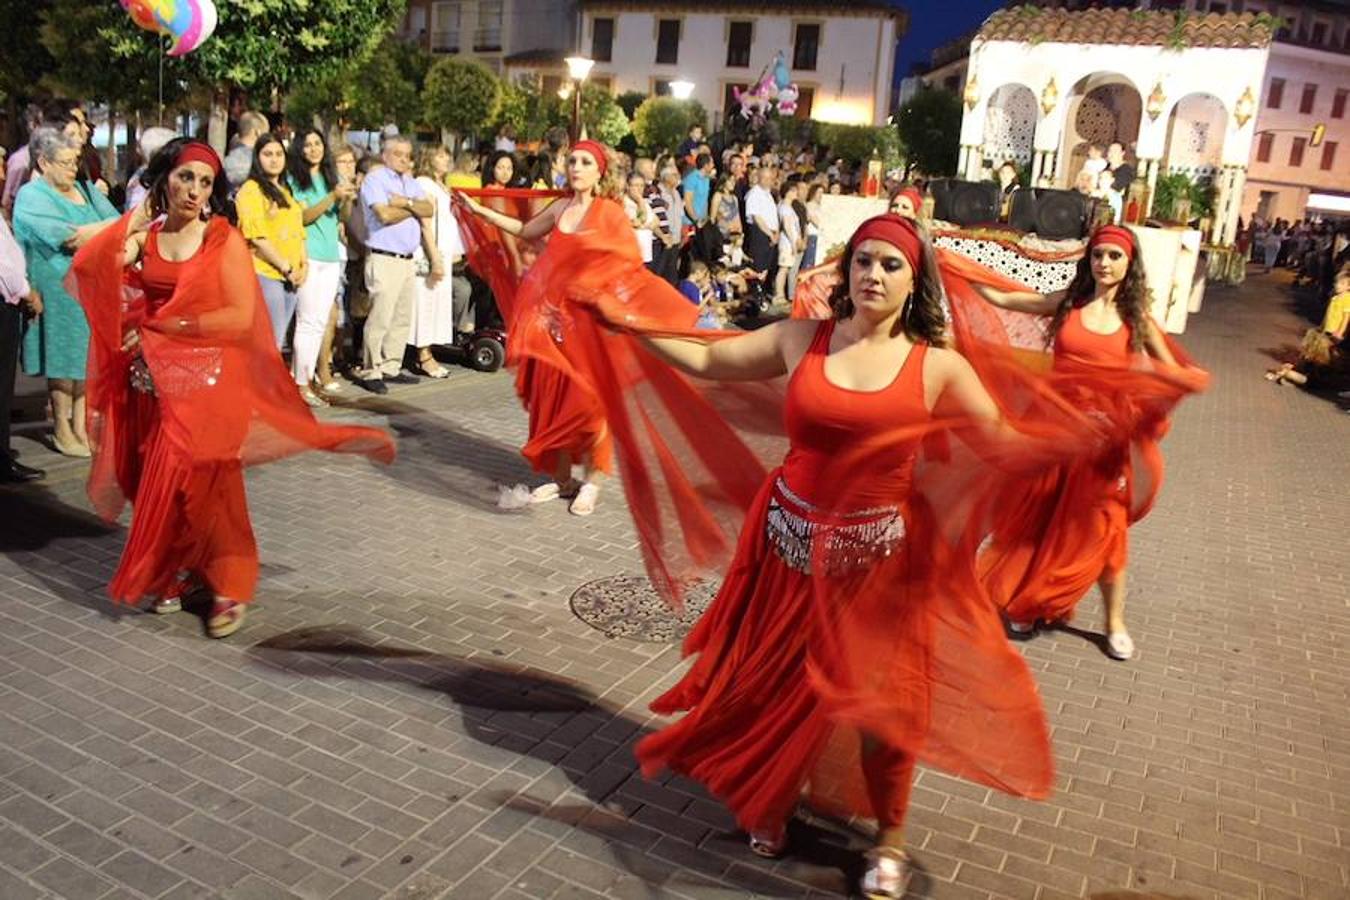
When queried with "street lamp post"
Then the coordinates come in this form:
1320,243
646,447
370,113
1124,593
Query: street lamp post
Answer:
578,67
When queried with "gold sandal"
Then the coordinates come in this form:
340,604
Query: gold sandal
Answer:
226,618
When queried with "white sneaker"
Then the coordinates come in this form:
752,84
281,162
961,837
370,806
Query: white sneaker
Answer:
1120,646
887,874
1021,627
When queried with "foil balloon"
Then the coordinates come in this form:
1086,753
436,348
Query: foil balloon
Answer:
198,26
188,22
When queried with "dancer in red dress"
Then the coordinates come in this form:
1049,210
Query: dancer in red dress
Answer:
186,388
1112,359
567,423
851,637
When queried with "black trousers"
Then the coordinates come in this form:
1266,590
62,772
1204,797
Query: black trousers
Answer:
11,332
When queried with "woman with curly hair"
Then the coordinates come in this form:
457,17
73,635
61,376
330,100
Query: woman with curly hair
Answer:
1098,326
186,387
567,425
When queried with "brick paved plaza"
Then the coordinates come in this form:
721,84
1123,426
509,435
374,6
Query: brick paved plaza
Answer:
413,711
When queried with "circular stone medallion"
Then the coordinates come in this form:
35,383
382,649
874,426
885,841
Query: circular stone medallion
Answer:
628,606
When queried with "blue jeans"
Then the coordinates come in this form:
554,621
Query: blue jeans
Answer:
280,299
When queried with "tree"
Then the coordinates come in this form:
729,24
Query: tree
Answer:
662,122
930,130
528,110
265,44
601,114
384,87
858,143
629,101
98,52
460,95
22,60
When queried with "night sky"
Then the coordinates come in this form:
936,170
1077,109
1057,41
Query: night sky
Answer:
934,22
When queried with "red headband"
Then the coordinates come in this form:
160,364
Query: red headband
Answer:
914,196
1116,236
597,150
196,151
895,230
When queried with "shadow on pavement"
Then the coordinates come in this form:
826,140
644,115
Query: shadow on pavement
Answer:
590,743
431,449
33,522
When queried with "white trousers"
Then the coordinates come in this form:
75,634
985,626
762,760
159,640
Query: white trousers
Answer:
316,299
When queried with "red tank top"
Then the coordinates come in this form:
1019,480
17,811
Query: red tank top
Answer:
159,276
823,420
1076,343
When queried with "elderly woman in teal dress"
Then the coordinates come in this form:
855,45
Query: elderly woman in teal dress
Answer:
55,215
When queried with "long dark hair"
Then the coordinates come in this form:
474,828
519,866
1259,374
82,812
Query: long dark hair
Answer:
155,178
491,164
297,167
256,174
921,318
1132,298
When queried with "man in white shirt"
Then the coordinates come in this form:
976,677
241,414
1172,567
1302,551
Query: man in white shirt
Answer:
761,213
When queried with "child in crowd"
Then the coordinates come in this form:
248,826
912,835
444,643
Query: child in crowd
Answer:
1321,361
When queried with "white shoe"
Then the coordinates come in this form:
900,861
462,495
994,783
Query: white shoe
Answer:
1021,627
887,874
1120,646
584,504
165,605
769,845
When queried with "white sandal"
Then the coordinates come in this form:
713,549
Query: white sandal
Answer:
584,504
769,845
887,875
1120,646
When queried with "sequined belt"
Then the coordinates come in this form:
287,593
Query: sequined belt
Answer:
842,543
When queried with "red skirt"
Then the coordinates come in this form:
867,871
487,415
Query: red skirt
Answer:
187,517
564,419
756,732
1081,537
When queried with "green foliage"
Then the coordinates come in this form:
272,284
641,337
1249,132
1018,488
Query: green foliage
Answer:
99,53
262,44
22,60
929,127
857,143
460,95
384,87
661,123
530,111
1172,188
1176,37
601,114
630,101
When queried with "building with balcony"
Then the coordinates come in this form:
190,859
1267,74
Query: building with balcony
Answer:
506,35
840,55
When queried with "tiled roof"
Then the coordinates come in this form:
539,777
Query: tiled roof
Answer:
1034,25
819,7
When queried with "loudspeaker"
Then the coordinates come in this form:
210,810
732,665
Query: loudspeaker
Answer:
1051,214
965,202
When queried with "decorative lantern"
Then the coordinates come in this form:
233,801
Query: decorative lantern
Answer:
1245,107
972,92
1049,96
1156,101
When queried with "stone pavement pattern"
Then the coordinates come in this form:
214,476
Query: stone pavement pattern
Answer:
413,712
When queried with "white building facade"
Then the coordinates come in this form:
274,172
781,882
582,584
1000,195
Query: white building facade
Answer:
491,31
841,56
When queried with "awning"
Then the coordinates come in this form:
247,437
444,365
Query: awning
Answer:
1337,203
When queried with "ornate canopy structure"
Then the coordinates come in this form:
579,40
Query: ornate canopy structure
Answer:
1180,90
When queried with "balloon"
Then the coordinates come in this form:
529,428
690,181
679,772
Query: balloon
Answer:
188,22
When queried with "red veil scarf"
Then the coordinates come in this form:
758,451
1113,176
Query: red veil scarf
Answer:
222,388
911,652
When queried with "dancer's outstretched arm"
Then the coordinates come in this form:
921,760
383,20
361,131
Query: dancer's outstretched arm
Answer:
1021,301
537,227
753,356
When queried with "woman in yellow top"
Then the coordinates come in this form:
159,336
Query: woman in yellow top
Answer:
1322,357
465,174
273,223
